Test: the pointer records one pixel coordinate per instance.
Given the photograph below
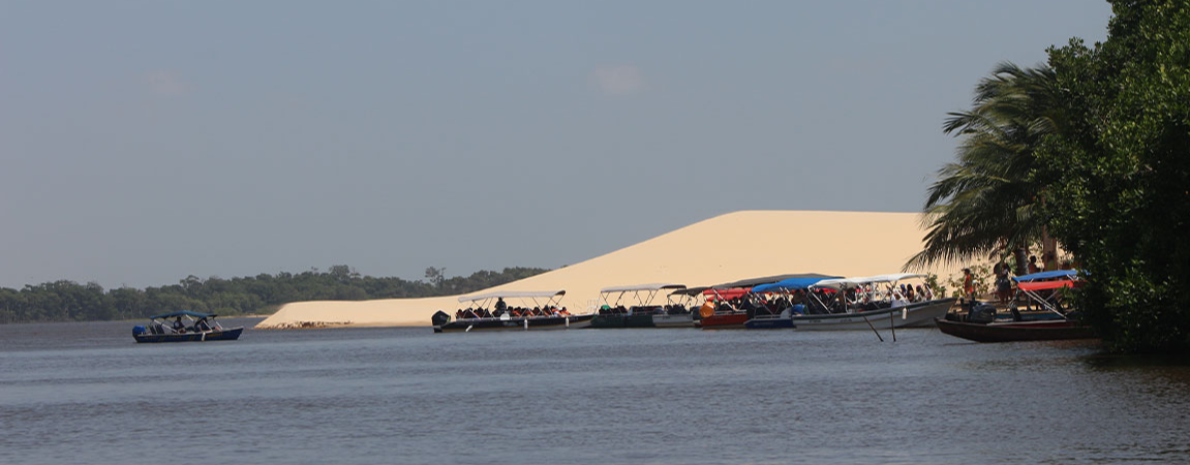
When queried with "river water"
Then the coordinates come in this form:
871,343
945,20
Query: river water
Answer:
86,393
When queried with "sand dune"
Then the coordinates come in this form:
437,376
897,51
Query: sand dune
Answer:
725,248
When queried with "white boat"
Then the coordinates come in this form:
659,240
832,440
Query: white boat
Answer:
874,301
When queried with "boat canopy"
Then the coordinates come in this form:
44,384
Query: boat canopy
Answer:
643,287
896,277
184,313
512,295
846,283
1043,285
789,284
1046,275
726,294
852,283
691,291
767,280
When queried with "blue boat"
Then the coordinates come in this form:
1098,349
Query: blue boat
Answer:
200,327
769,316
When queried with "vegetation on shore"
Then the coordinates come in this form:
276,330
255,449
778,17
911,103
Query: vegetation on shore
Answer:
1093,148
263,293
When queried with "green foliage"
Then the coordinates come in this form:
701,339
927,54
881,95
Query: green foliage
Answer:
932,282
70,301
1121,199
986,203
982,278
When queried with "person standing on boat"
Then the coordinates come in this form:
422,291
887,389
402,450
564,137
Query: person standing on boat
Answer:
500,305
968,284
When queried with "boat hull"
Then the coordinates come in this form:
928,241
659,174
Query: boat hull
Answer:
622,320
648,320
224,335
1016,331
770,323
684,320
725,321
918,315
530,323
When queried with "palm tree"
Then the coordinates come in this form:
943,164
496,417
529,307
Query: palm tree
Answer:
988,201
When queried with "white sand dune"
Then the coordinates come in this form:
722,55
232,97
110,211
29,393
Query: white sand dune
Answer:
726,248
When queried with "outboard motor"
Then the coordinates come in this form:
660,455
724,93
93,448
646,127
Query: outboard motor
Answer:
982,313
138,330
440,318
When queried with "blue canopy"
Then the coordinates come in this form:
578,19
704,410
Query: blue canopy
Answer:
1046,275
184,313
790,284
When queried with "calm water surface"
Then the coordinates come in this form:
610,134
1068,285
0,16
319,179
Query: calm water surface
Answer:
86,393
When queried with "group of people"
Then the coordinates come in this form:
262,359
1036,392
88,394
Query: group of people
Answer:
654,309
824,301
1003,282
512,312
179,327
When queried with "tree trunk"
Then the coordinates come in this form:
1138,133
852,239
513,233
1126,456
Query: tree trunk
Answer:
1022,261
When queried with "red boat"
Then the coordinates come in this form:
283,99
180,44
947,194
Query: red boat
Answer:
714,320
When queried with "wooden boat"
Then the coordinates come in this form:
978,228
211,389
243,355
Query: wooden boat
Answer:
540,316
980,323
872,302
1015,331
644,314
203,327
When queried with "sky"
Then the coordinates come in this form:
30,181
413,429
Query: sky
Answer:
145,141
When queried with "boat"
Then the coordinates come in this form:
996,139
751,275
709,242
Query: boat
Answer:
1052,321
729,305
778,302
864,303
202,327
644,314
544,313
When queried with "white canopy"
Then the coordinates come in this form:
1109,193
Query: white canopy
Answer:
642,287
845,283
512,295
852,283
897,277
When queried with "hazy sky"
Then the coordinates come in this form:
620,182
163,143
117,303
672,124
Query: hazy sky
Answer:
141,142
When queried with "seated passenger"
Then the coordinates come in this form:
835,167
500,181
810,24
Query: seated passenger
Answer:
178,326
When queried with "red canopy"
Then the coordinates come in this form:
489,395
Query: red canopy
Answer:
1043,285
726,293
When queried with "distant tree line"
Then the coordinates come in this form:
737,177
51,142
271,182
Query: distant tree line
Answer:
70,301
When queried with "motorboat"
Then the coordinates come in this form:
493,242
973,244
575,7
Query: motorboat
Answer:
197,327
864,303
775,304
489,311
641,311
729,305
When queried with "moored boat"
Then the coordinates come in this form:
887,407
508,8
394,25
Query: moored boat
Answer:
641,312
729,305
777,303
1055,322
863,303
541,315
202,327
